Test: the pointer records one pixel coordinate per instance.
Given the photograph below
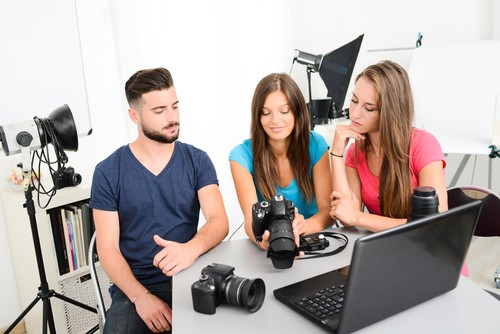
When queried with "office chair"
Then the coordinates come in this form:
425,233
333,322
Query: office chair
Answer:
488,224
101,305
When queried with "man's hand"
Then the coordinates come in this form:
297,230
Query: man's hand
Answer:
174,256
155,313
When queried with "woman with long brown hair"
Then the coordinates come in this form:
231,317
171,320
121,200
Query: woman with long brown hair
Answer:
389,157
283,157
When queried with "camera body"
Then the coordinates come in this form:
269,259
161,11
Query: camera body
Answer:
206,291
276,216
218,284
66,177
265,214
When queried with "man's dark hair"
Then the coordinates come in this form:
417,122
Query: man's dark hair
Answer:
145,81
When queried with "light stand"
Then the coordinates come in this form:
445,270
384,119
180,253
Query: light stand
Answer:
58,129
313,63
310,105
44,292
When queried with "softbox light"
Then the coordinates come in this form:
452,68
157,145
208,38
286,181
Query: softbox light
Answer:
336,71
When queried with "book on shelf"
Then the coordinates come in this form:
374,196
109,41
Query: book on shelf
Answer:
71,236
72,227
59,241
67,240
76,230
83,254
87,225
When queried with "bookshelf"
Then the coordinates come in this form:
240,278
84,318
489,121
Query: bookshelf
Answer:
74,282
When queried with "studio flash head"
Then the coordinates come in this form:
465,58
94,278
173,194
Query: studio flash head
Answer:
58,129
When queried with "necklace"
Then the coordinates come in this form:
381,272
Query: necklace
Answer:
379,156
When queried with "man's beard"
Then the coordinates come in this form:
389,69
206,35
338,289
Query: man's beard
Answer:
159,137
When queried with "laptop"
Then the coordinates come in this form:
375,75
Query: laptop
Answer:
390,271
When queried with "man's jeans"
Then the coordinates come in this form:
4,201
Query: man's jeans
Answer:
122,317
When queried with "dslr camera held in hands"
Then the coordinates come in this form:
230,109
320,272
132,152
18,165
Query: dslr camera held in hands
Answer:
218,285
276,216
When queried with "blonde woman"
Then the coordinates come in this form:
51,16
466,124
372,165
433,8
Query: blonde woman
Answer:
389,157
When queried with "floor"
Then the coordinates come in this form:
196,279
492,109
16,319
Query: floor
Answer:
483,259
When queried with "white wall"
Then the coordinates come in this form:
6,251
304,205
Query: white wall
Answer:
216,54
385,25
218,50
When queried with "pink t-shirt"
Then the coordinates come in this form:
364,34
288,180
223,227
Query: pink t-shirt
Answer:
424,149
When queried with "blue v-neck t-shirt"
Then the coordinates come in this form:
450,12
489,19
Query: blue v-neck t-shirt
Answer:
165,204
242,154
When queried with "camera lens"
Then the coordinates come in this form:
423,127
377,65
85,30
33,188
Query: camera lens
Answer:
282,247
253,294
245,292
424,202
281,229
76,179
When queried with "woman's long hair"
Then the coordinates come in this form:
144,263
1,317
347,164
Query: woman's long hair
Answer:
266,173
395,104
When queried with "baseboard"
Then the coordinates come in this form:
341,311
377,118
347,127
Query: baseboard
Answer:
19,329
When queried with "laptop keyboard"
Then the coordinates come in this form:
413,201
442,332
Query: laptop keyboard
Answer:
325,303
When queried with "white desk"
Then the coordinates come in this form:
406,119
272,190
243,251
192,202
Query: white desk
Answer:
466,309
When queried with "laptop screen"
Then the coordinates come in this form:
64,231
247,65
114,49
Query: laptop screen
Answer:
407,265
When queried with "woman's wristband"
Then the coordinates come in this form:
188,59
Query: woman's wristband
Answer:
336,155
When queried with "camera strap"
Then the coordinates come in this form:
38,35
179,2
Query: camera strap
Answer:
334,235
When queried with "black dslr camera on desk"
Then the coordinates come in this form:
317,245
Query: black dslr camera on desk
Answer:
276,216
218,284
